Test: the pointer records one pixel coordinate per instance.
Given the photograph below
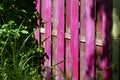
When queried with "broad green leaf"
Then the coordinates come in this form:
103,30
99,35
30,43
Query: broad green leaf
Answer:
24,11
24,32
11,22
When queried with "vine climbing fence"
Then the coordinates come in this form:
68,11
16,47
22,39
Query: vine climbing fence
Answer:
78,36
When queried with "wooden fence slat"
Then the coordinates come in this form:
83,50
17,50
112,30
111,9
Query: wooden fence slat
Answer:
58,11
37,32
68,60
55,26
82,61
87,20
60,39
46,16
90,38
74,38
104,12
72,29
83,67
68,46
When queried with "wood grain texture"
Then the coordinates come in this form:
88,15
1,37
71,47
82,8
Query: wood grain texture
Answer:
55,42
60,39
83,64
58,18
87,21
46,15
68,44
74,38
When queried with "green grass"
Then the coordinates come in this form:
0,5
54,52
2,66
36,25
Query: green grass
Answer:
17,52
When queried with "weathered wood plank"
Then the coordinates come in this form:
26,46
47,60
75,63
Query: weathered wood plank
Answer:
46,16
72,29
83,66
58,19
60,39
55,27
68,60
87,21
37,32
74,38
68,44
104,21
90,38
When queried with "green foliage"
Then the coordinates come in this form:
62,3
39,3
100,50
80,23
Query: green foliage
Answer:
100,75
17,45
16,52
17,11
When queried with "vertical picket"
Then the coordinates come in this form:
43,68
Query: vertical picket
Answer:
83,66
60,39
59,26
104,12
72,30
46,16
37,32
90,38
87,21
54,30
74,38
107,24
68,52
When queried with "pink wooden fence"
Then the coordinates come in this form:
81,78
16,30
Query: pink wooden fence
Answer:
78,37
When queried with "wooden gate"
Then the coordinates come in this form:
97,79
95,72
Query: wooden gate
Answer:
78,36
